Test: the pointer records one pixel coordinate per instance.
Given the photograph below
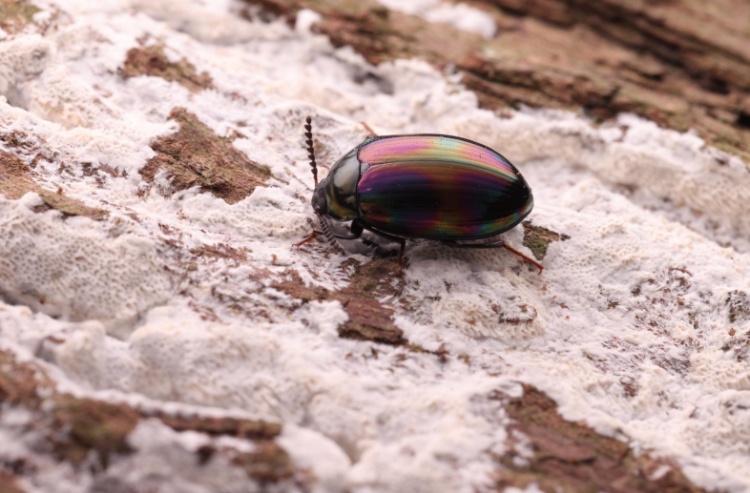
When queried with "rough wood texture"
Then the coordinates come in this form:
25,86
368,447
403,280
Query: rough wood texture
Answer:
684,64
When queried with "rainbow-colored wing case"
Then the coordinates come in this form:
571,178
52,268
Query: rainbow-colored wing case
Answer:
438,187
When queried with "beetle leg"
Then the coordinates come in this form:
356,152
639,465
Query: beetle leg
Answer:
496,244
525,257
401,256
395,239
355,228
369,129
326,231
308,239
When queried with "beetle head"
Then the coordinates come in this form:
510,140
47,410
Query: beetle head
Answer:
319,202
335,195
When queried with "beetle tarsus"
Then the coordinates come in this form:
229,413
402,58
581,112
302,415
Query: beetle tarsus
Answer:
369,129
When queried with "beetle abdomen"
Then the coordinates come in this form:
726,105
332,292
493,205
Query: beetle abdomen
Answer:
439,187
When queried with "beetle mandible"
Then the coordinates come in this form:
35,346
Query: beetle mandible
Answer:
432,186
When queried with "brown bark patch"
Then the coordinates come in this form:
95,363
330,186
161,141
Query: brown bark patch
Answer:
16,14
152,61
91,426
268,463
75,427
235,427
570,457
369,318
194,156
219,251
19,383
78,428
538,239
16,181
376,32
709,42
8,483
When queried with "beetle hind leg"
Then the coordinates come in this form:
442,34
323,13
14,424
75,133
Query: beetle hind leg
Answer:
496,244
369,129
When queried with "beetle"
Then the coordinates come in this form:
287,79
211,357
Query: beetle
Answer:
432,186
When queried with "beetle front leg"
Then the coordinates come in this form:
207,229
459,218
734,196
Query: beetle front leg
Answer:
309,238
325,231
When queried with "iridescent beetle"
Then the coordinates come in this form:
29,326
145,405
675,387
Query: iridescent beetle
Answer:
432,186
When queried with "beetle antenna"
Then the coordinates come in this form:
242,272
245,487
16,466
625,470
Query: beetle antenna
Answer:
310,148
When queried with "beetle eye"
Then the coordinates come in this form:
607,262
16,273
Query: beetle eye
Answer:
319,203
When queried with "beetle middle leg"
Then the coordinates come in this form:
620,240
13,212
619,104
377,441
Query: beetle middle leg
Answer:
496,244
395,239
357,228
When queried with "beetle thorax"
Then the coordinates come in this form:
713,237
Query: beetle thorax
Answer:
336,195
